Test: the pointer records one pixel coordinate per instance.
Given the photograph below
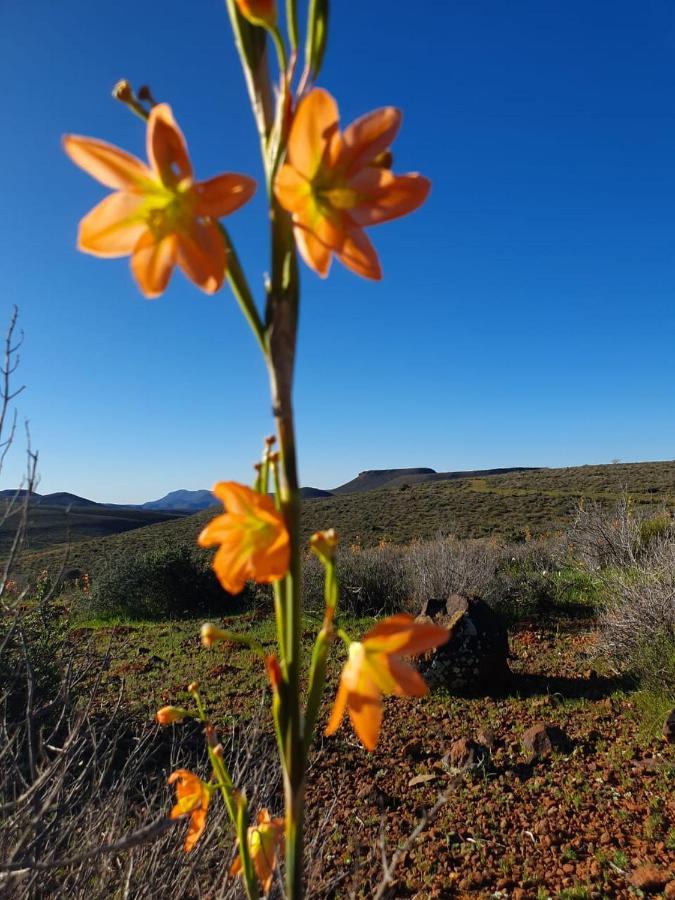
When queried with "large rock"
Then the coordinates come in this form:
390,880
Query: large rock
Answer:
669,727
475,657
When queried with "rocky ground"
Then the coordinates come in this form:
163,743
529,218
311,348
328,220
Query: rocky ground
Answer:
553,788
553,785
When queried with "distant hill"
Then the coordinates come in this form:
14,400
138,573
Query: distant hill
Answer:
310,493
64,521
374,479
185,501
60,498
63,498
506,505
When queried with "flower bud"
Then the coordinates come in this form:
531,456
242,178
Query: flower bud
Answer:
167,715
193,687
123,91
259,12
273,671
211,634
324,544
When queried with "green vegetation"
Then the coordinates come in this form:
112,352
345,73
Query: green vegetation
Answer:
510,506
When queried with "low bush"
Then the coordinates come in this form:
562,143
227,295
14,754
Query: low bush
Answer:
638,621
167,583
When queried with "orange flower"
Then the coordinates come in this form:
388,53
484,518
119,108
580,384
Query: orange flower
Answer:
167,715
334,185
158,214
253,538
375,667
259,12
192,796
264,841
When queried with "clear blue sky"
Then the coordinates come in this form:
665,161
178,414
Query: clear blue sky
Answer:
527,314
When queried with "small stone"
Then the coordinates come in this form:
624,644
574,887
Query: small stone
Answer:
464,754
541,740
649,879
669,892
669,727
424,778
647,766
487,738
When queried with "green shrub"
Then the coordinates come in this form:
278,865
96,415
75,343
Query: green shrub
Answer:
167,583
654,529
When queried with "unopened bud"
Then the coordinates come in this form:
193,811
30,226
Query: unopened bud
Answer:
259,12
193,687
123,91
210,634
145,94
384,160
219,751
273,671
324,544
167,715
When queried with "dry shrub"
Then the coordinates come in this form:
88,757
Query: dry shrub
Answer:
637,624
617,536
84,799
445,565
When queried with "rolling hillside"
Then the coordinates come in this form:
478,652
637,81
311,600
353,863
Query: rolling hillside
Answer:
540,501
50,525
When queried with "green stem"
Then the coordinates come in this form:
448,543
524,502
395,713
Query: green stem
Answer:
242,292
292,20
233,804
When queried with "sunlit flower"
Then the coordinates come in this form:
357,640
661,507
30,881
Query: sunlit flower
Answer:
259,12
192,797
265,840
376,667
158,214
253,538
167,715
324,544
335,185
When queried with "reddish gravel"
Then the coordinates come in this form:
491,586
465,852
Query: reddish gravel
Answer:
581,821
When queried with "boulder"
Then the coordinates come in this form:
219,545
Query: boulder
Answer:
669,727
475,657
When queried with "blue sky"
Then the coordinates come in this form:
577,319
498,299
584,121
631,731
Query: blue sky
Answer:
527,314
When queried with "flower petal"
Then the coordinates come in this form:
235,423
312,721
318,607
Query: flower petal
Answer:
108,164
409,682
293,190
338,711
358,254
202,255
366,717
368,136
384,196
232,565
113,227
223,194
315,121
152,263
166,147
401,634
241,499
316,254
